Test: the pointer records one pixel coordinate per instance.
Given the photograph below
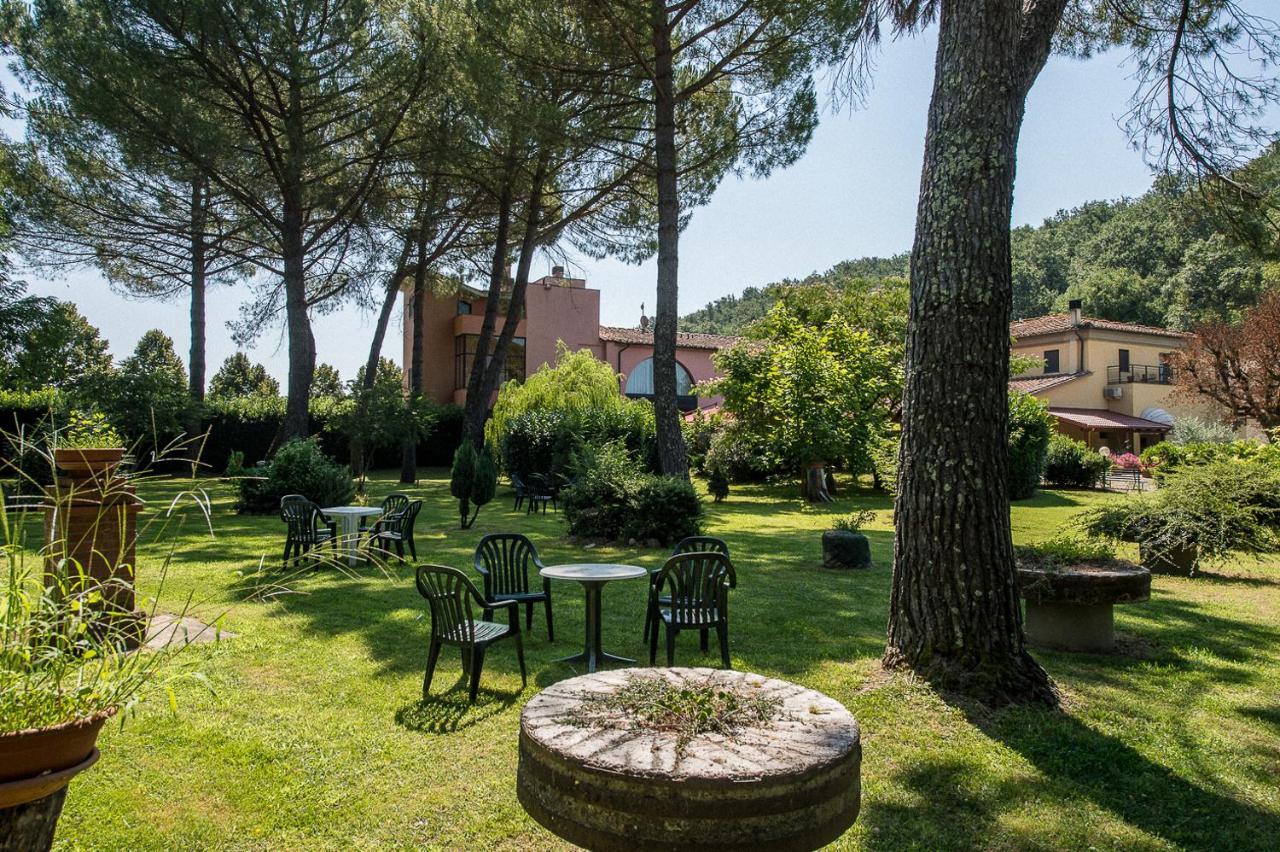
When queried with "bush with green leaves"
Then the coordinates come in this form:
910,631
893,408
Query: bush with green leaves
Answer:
473,481
742,455
538,443
883,460
298,467
604,482
1071,464
663,509
1194,430
1030,425
699,431
717,484
1065,550
1167,457
854,521
1221,507
613,497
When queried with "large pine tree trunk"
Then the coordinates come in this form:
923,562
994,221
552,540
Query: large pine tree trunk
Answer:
196,361
954,613
302,343
477,405
409,449
671,450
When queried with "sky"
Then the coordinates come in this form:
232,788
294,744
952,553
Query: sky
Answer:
852,194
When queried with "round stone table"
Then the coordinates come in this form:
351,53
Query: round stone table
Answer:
1070,607
790,784
593,576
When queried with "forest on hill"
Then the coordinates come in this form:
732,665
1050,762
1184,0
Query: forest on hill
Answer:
1171,257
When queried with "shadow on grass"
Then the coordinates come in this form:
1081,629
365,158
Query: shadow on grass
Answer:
446,712
1081,762
943,812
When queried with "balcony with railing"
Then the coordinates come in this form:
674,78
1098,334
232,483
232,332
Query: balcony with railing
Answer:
1146,374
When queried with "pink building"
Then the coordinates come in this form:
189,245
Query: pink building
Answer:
556,309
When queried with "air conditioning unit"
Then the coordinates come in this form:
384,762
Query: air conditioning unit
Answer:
1115,392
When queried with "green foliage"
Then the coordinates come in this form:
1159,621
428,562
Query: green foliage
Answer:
663,509
1193,430
854,521
325,381
1071,464
612,497
1166,457
298,467
89,430
147,398
1223,506
538,443
718,484
60,349
381,417
740,454
1030,425
473,481
605,481
240,377
1064,550
699,430
815,393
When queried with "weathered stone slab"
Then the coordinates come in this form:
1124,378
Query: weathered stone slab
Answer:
791,783
165,630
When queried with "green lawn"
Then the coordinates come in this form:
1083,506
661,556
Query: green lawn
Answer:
314,735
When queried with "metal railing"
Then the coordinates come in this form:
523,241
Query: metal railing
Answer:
1147,374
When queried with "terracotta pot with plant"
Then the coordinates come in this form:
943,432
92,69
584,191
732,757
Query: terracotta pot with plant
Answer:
845,546
89,447
65,669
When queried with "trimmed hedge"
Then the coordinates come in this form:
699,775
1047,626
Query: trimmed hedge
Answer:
1071,464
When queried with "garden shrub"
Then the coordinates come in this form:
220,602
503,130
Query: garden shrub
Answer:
1222,507
473,481
611,497
741,455
665,509
1071,464
605,481
883,460
717,484
1193,430
298,467
26,419
1030,425
699,430
1167,457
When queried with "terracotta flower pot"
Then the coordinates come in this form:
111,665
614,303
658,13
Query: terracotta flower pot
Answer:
88,461
28,757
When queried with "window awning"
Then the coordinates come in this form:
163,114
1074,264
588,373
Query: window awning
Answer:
1100,418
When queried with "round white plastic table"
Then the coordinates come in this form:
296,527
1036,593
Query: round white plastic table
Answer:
349,527
593,576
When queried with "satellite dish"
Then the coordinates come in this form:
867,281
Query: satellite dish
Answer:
1158,415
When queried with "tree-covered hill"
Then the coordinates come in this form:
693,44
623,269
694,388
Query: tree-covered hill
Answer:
1172,257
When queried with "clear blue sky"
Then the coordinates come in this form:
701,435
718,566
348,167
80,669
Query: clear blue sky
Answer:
853,194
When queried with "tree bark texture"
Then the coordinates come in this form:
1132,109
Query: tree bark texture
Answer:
671,450
477,407
302,343
30,827
954,611
409,449
196,360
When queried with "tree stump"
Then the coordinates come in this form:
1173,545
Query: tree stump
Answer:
792,783
1071,607
30,827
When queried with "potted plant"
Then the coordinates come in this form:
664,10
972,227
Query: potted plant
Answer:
89,447
846,547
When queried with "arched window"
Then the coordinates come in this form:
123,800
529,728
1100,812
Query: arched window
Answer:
640,380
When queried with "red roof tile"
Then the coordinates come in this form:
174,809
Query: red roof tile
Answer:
688,340
1100,418
1038,384
1055,323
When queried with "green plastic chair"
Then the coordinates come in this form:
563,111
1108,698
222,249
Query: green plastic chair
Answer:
697,590
451,595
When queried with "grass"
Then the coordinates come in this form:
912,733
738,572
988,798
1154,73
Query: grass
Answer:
314,735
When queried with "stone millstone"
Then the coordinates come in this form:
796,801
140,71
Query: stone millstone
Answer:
791,784
1070,607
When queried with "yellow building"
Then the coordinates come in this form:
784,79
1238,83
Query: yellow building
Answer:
1108,383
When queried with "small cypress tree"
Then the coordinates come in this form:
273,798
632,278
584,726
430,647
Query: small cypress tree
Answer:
474,481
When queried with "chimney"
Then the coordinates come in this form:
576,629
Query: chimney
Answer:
557,271
644,320
1074,307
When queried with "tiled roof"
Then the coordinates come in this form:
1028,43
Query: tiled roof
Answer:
1055,323
1100,418
1039,384
689,340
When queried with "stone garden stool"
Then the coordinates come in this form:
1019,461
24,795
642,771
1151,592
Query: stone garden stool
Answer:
789,783
1070,607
